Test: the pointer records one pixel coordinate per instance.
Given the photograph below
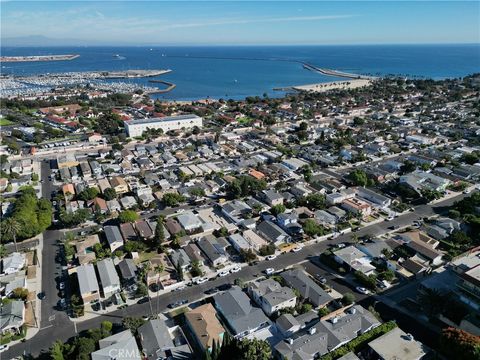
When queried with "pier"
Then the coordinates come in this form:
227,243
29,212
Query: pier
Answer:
170,87
330,72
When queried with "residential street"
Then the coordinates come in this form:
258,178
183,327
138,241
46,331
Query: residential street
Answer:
56,325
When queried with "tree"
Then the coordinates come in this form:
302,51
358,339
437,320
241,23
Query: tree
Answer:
197,192
245,185
196,269
180,270
172,199
159,236
110,194
88,194
348,298
20,293
358,177
278,209
10,229
248,255
108,124
141,289
313,201
312,228
56,351
432,301
132,323
128,216
267,250
459,344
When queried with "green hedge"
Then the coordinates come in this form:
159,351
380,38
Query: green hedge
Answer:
361,341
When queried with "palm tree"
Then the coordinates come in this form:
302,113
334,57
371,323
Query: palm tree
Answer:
158,270
432,300
10,228
146,268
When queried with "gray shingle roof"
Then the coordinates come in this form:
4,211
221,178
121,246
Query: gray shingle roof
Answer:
307,288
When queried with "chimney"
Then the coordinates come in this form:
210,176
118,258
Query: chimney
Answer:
409,337
312,330
334,320
290,341
353,310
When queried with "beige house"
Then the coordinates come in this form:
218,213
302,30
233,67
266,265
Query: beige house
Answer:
119,184
205,326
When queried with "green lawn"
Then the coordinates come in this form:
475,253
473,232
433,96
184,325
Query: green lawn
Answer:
5,122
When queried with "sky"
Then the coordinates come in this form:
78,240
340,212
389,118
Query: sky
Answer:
244,22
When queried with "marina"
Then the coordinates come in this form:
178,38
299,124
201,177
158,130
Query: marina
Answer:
11,85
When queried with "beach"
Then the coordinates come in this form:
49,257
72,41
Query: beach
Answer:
334,85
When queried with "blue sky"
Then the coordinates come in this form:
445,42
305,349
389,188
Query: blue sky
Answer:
242,22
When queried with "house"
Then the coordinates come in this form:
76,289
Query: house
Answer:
109,279
128,232
236,210
357,206
354,259
12,316
99,205
236,310
68,191
287,324
337,212
373,197
396,344
273,233
87,281
13,263
204,326
189,221
119,346
155,339
421,180
128,202
213,249
255,241
327,335
114,237
84,249
271,197
180,258
238,242
144,230
173,227
168,272
119,185
272,296
128,271
307,288
194,253
325,218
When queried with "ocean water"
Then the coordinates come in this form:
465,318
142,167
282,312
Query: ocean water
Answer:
240,71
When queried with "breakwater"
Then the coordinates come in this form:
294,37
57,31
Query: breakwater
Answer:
34,58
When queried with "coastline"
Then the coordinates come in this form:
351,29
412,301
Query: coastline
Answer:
38,58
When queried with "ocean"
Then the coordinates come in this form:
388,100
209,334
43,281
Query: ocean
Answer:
239,71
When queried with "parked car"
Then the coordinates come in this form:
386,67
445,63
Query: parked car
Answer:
224,287
235,269
3,348
223,273
362,290
177,304
271,257
200,280
341,246
297,249
211,291
322,280
269,271
61,285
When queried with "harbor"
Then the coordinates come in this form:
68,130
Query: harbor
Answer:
34,58
11,85
323,87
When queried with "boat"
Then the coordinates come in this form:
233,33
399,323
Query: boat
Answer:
116,56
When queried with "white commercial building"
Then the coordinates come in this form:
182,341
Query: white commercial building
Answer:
137,127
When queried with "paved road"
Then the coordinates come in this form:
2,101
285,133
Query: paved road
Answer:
63,328
51,269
